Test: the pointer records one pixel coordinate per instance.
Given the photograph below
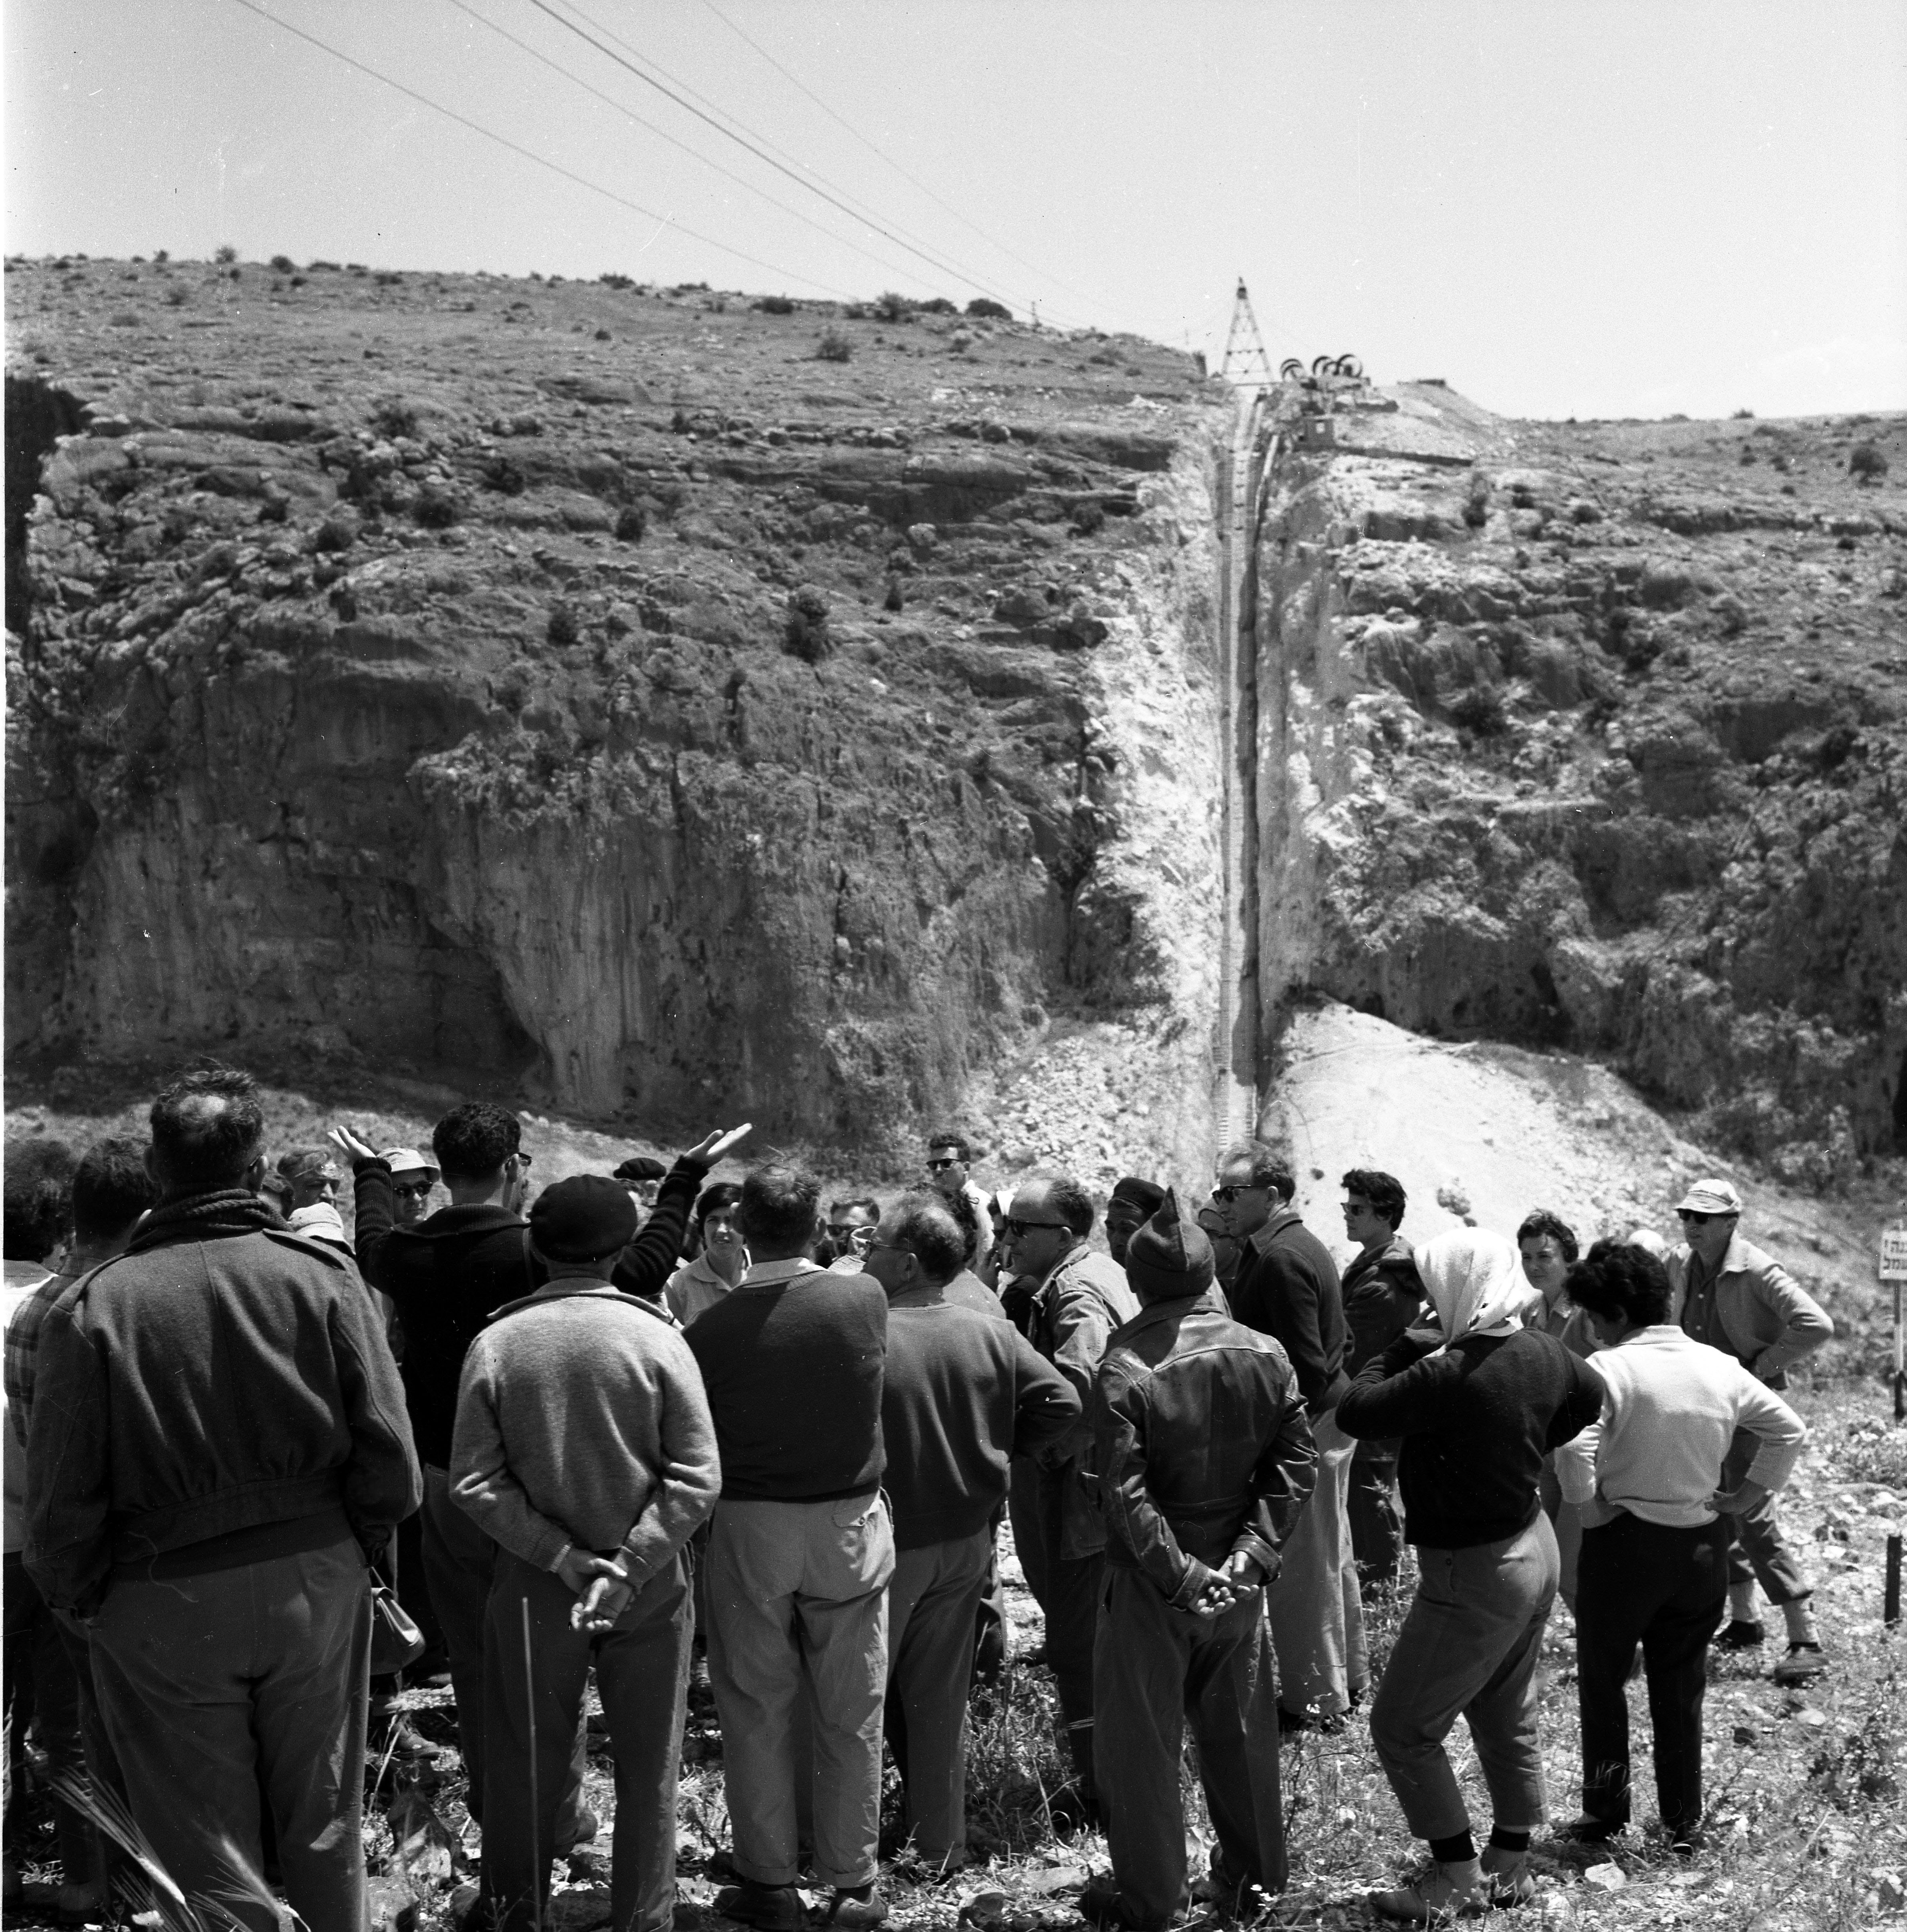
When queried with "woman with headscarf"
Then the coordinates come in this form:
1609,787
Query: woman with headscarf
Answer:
1479,1401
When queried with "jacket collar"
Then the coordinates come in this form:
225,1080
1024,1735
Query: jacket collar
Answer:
568,1287
1066,1261
485,1218
774,1274
1178,1306
1284,1218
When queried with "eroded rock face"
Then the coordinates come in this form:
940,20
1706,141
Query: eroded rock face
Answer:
409,677
1591,736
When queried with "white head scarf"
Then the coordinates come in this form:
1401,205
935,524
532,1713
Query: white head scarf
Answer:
1475,1283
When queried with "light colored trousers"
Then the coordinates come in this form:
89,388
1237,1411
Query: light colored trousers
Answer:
1469,1648
796,1588
1315,1609
932,1604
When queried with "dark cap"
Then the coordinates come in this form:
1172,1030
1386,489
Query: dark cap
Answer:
1168,1256
640,1167
583,1218
1145,1196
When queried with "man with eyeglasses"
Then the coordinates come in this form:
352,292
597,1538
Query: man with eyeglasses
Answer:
1287,1288
850,1225
948,1156
1730,1294
446,1276
412,1179
1066,1299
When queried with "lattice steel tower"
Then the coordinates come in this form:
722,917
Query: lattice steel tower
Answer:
1245,360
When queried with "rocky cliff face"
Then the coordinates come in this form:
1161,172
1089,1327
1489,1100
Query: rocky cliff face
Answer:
587,693
1591,735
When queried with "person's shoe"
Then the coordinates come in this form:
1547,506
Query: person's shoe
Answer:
1507,1875
1588,1831
1291,1722
407,1744
1445,1892
1739,1633
1103,1903
855,1907
585,1828
1803,1664
776,1908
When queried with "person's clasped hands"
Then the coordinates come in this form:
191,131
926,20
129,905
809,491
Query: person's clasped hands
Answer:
601,1585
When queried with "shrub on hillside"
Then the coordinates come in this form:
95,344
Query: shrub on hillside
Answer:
226,253
436,508
834,347
806,635
283,264
774,305
984,306
1867,463
937,305
1480,712
892,307
561,629
394,417
632,526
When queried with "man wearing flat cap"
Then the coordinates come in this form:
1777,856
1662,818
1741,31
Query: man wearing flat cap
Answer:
1204,1460
1730,1295
584,1446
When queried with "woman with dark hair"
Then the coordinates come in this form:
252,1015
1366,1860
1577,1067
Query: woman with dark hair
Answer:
1547,1245
1479,1401
718,1265
1647,1479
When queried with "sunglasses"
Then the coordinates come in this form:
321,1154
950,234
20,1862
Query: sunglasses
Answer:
940,1166
419,1190
1226,1195
1013,1226
1698,1220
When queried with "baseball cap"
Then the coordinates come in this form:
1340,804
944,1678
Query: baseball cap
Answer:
1712,1196
582,1218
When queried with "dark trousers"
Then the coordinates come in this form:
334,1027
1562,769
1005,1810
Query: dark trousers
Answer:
1640,1583
43,1692
1067,1590
461,1563
1757,1549
1156,1670
642,1674
242,1688
989,1631
931,1598
1377,1529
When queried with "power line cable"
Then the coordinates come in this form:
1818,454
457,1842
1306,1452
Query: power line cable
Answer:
752,142
530,155
873,148
694,154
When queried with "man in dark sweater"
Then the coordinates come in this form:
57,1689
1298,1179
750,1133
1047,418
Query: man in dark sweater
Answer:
799,1557
1204,1460
584,1448
963,1393
445,1277
217,1443
1382,1296
1287,1287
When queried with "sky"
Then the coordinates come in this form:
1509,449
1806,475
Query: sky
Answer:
1627,207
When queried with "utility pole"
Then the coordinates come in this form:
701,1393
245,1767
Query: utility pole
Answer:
1245,360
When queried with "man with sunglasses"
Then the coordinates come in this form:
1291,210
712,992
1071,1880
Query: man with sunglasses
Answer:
1066,1299
948,1156
1287,1288
1730,1295
412,1179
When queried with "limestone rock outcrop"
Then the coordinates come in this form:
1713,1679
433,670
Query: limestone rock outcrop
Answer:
1595,736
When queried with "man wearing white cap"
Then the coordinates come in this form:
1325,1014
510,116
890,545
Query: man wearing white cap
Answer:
412,1178
1730,1294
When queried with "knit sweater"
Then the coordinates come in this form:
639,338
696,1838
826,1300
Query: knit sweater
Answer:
1476,1420
1670,1408
1287,1288
580,1420
963,1392
792,1360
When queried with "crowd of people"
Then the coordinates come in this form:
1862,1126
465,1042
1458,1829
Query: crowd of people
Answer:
641,1415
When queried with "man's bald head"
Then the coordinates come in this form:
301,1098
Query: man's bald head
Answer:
207,1127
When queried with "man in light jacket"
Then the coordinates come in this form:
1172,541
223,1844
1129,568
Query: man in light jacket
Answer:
584,1448
1728,1293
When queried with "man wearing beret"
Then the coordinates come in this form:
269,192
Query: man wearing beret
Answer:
1204,1460
1730,1294
584,1448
